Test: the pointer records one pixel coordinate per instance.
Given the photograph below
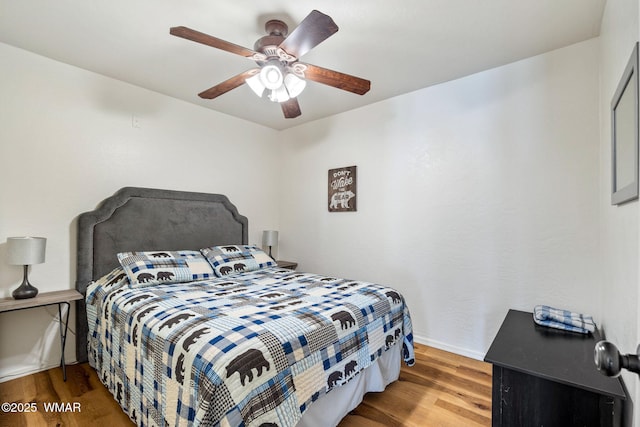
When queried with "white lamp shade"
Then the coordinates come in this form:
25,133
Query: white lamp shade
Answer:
271,76
270,238
295,85
255,84
26,250
279,95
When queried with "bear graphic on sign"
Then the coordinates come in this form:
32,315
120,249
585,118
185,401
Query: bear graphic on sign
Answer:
341,198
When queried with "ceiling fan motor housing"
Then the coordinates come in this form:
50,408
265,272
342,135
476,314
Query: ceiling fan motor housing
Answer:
277,31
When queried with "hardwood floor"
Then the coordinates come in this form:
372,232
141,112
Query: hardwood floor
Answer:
97,406
442,389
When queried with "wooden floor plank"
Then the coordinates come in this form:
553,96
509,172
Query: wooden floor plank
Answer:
441,389
82,388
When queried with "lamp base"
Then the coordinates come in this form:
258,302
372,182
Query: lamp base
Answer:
24,292
26,289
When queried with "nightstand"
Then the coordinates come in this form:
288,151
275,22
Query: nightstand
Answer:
44,299
545,376
287,264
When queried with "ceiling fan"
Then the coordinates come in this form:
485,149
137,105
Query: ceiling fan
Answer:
279,72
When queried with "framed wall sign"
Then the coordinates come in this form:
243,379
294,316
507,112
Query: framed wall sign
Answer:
342,189
624,135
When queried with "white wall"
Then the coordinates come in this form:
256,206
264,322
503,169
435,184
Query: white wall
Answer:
474,196
619,224
67,142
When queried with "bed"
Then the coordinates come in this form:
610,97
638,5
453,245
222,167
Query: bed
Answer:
260,346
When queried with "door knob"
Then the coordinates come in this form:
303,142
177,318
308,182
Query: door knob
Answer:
610,362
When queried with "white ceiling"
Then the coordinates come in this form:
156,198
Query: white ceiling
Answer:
400,46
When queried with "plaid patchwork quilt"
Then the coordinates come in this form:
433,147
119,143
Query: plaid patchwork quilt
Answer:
253,349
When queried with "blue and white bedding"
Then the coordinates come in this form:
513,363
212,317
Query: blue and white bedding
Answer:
253,349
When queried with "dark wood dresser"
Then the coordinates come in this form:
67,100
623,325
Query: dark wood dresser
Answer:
547,377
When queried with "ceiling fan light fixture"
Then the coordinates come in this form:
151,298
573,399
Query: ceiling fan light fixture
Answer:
271,75
256,85
294,84
277,55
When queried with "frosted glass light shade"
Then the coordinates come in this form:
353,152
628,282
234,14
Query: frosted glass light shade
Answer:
295,85
271,76
255,84
26,250
279,95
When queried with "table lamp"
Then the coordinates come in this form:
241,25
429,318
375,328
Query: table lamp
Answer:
269,238
26,251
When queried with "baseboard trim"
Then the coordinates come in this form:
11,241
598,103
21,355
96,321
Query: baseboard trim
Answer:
450,348
8,376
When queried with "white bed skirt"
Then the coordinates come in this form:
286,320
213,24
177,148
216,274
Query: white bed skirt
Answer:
333,407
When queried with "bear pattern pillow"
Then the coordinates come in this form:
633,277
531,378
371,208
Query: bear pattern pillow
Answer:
155,267
233,259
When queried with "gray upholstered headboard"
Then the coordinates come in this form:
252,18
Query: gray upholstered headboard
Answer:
145,219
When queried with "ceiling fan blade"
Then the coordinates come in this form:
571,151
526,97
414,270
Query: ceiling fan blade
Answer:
227,85
313,30
291,108
197,36
336,79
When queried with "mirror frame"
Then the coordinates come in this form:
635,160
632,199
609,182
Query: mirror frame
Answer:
630,190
